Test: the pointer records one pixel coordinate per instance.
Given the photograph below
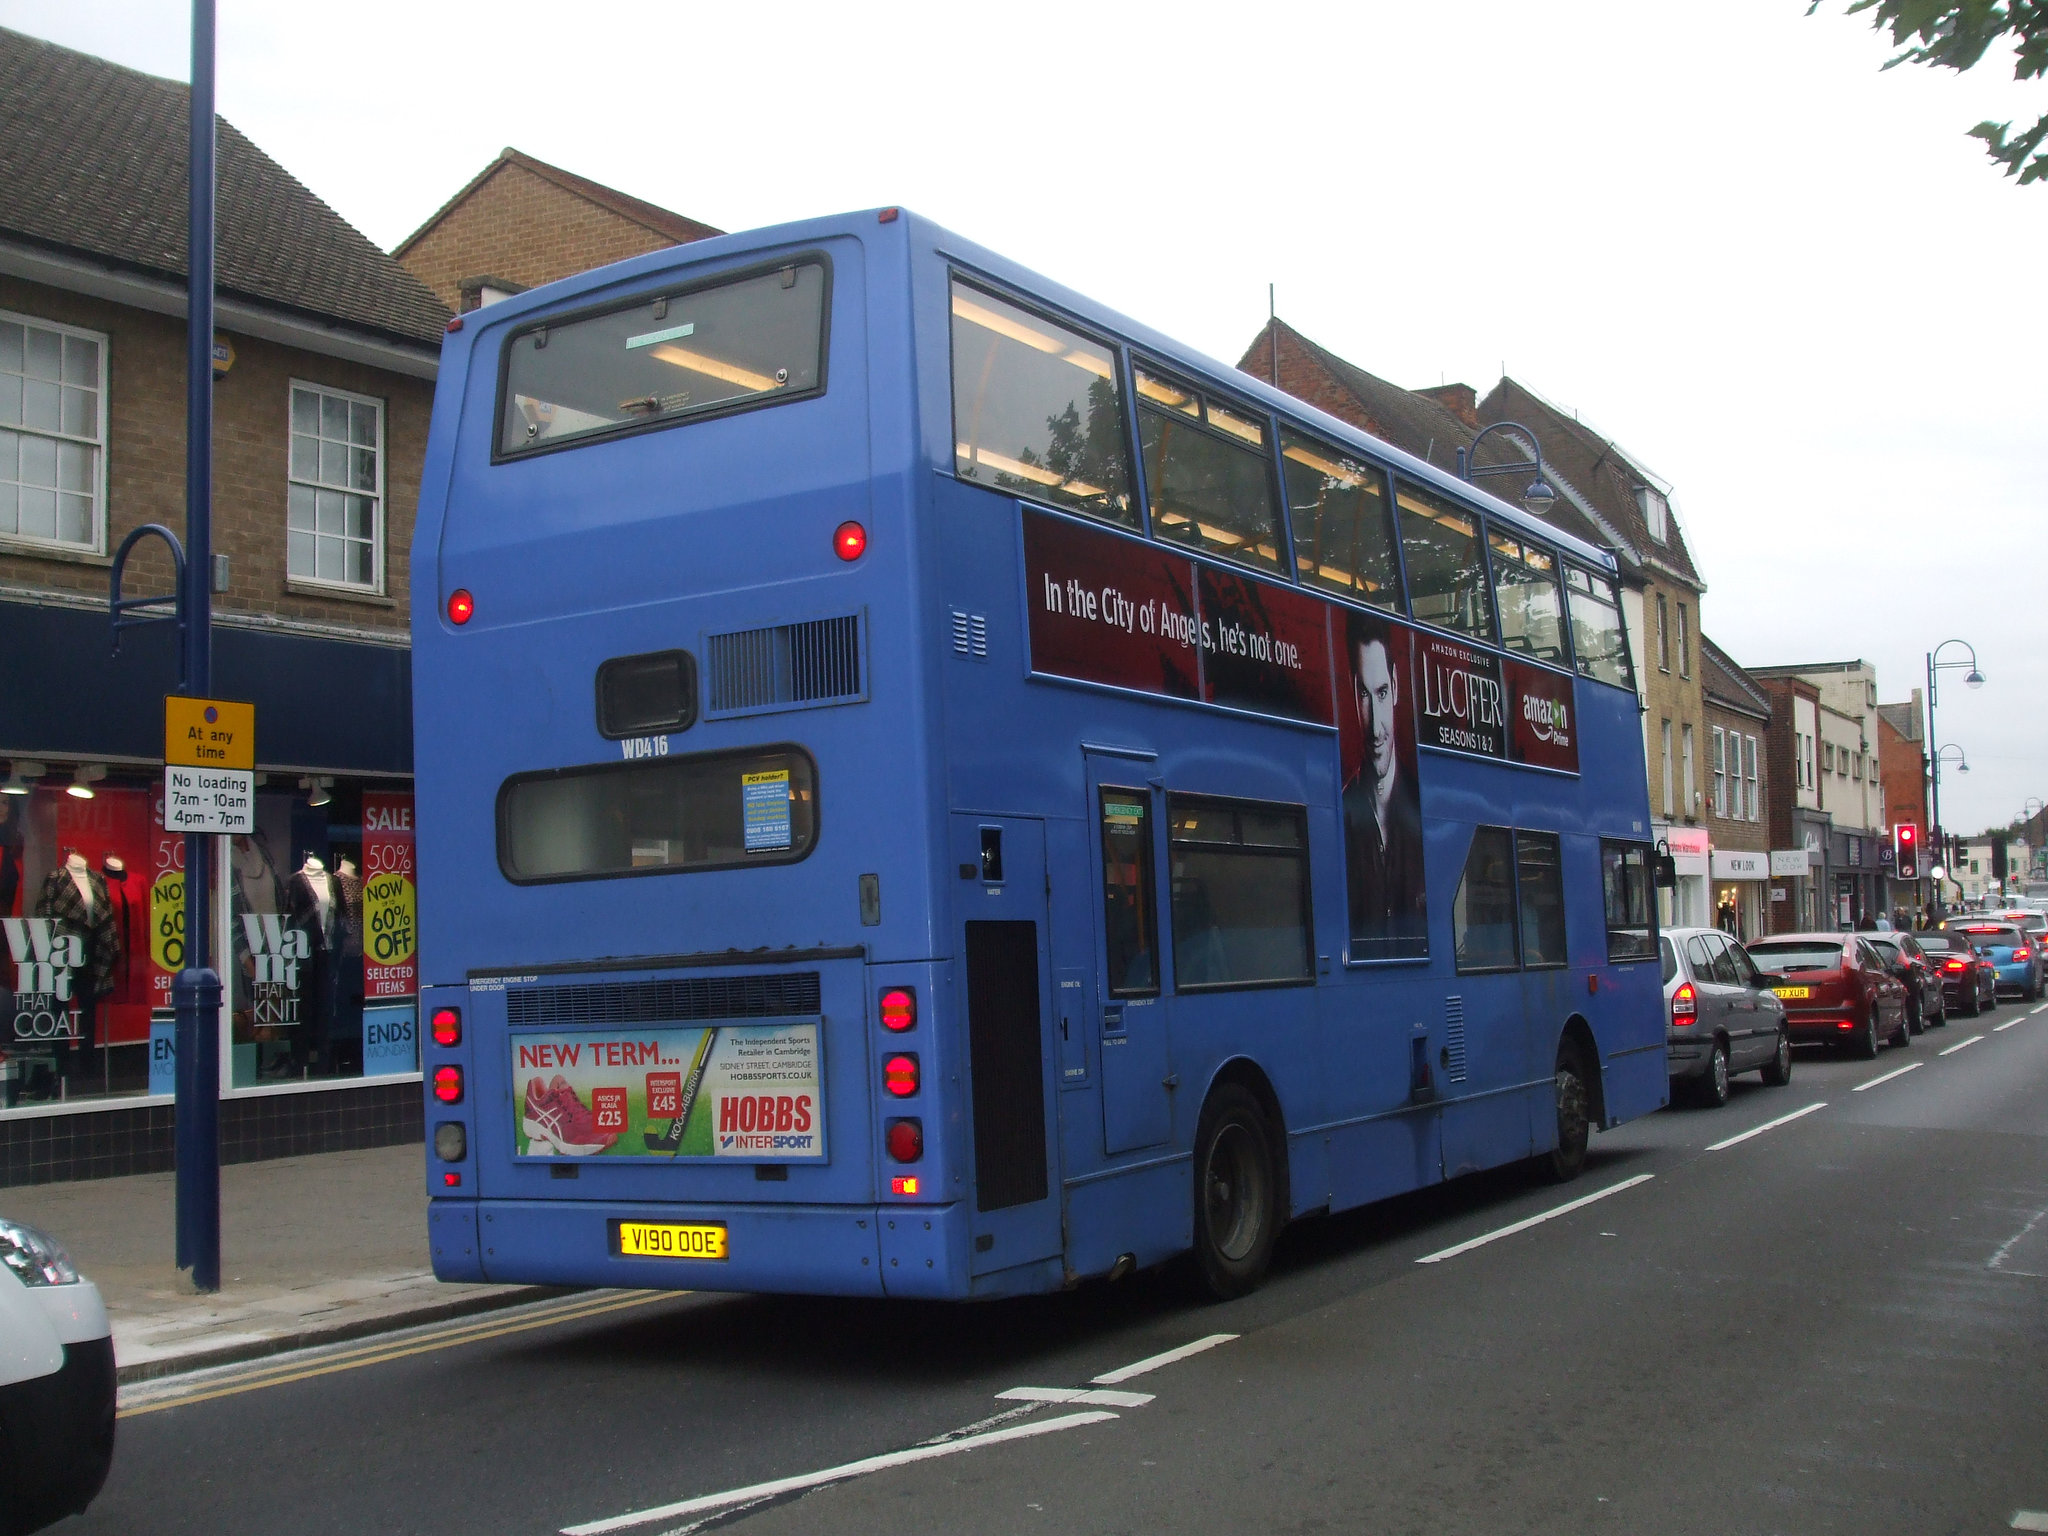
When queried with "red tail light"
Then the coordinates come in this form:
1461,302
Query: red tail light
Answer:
447,1026
906,1140
849,540
899,1075
460,606
1684,1004
1953,965
2022,953
448,1084
899,1009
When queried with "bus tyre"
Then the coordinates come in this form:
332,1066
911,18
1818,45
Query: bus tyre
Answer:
1237,1193
1778,1070
1565,1161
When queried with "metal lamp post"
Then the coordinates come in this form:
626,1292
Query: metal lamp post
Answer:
1974,679
1540,495
1962,766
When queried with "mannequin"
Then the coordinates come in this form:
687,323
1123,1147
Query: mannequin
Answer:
74,896
311,907
114,870
350,885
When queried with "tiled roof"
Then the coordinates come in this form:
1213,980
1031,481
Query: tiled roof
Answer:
1903,718
1599,470
93,161
670,226
1727,682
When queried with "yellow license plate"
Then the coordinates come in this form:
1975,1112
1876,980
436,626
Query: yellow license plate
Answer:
671,1240
1793,991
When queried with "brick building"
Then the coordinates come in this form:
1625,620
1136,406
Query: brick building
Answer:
1799,825
1737,720
1849,789
522,222
326,350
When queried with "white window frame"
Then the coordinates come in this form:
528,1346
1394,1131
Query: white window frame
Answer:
98,543
374,587
1667,770
1751,749
1720,762
1692,785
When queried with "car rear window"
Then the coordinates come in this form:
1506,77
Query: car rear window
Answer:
1794,955
1886,948
1996,934
1937,943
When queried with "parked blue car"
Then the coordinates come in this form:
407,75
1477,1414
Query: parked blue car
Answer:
2015,956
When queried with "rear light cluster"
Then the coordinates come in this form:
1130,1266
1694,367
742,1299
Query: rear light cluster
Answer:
899,1075
903,1139
448,1084
2022,953
899,1009
447,1026
1684,1004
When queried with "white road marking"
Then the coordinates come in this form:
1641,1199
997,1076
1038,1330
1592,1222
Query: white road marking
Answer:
1524,1225
2030,1520
1154,1362
2033,1221
1972,1040
838,1474
1768,1125
1901,1072
1096,1397
2042,1009
2008,1024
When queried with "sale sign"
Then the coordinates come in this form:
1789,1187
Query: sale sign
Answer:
390,898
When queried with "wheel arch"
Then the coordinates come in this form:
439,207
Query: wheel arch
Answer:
1577,1032
1250,1076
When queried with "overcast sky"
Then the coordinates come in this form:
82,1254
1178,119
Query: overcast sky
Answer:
1782,280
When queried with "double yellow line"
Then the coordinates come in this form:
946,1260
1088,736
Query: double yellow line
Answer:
296,1367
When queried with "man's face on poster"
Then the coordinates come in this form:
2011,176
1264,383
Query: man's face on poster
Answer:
1379,695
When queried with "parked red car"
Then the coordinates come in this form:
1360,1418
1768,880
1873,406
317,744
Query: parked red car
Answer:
1835,988
1969,982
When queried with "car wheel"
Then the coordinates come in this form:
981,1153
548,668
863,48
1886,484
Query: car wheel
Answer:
1867,1043
1916,1022
1903,1035
1574,1094
1778,1070
1940,1019
1237,1194
1713,1083
1976,1005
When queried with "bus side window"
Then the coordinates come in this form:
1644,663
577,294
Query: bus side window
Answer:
1446,567
1240,892
1209,474
1343,537
1128,908
1483,912
1625,887
1540,878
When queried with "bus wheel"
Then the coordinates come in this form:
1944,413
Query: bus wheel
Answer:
1237,1193
1567,1159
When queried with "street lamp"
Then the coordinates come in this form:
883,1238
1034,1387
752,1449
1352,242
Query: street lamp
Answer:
1973,679
1935,760
1541,495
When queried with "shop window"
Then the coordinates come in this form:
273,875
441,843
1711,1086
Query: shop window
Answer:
1036,409
1446,570
1240,892
335,532
1129,910
1539,882
1343,538
53,434
1483,912
1208,474
1625,889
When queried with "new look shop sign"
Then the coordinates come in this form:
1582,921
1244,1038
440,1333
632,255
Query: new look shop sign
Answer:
209,766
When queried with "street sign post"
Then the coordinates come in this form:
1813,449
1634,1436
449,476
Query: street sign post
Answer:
209,766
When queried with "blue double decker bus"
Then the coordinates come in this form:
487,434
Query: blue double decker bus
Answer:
927,787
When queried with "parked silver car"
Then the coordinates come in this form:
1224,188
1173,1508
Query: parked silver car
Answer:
56,1384
1721,1015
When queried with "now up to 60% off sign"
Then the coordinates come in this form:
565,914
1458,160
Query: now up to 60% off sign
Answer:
209,765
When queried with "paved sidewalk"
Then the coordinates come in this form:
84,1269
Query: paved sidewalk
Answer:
313,1249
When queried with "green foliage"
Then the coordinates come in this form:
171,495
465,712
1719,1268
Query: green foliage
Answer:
1955,34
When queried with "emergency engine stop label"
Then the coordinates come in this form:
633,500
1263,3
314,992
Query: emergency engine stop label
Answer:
749,1091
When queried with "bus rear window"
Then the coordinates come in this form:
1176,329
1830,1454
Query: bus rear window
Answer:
716,810
759,340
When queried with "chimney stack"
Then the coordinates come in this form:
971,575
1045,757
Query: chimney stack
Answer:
1461,400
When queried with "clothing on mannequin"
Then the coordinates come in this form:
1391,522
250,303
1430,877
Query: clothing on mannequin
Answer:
74,896
114,870
312,908
350,886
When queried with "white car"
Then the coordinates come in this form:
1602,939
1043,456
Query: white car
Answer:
56,1384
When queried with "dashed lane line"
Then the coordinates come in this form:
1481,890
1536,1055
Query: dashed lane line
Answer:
1154,1362
839,1474
1768,1125
1526,1223
1961,1044
2043,1008
1901,1072
1093,1397
2008,1024
2030,1520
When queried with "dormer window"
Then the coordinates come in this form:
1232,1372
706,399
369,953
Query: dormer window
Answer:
1656,512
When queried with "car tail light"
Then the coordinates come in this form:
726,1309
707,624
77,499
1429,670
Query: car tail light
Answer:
448,1084
2022,953
906,1140
1844,1024
899,1009
461,606
447,1026
1953,965
849,540
1684,1003
899,1075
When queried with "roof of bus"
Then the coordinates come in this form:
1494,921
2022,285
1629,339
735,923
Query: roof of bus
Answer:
1022,278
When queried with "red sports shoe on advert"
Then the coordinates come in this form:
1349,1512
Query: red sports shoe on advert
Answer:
557,1121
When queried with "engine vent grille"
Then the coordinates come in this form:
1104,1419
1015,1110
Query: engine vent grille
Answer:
1454,1038
653,1002
970,635
785,666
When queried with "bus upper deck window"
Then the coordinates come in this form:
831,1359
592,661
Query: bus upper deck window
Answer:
1531,606
1036,409
1343,538
753,340
1446,570
1208,474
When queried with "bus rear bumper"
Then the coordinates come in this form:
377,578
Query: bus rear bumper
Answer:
828,1250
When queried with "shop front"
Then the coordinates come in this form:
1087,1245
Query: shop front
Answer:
1790,897
1741,878
1856,885
312,921
1685,905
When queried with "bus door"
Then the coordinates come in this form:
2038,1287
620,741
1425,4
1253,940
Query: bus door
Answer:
1137,1084
1007,998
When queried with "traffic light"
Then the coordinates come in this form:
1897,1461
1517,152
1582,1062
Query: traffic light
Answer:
1906,851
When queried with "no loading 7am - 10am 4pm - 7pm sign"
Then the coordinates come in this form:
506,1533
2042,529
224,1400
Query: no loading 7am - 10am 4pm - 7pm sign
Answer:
209,765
